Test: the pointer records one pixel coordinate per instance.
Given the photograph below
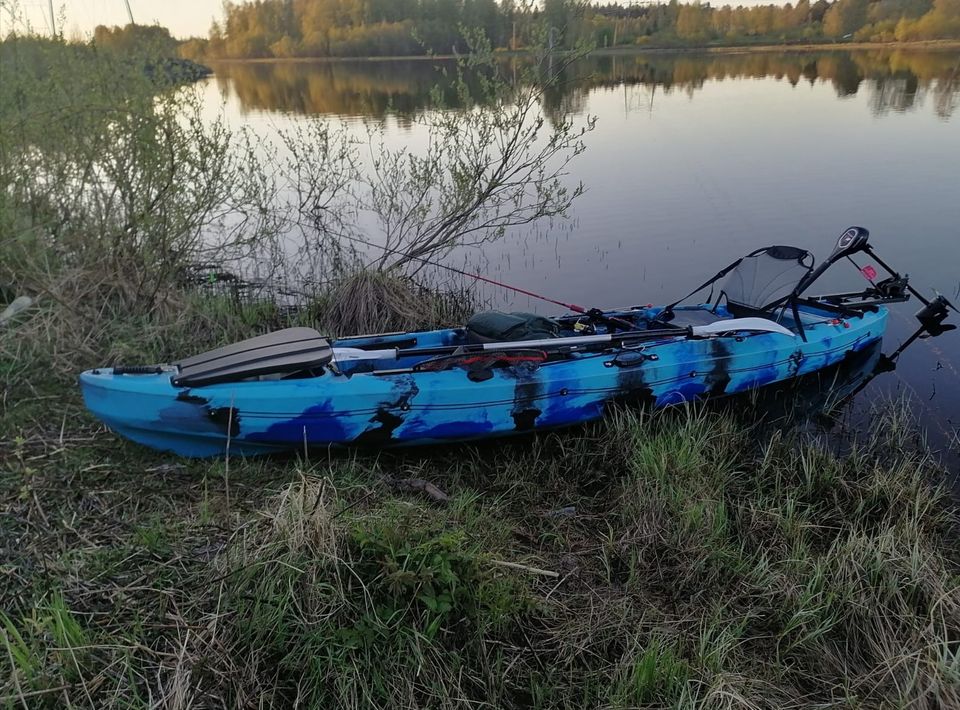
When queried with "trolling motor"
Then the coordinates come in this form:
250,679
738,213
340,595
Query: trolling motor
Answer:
895,288
854,239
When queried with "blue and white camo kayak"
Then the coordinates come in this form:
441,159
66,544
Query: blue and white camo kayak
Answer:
293,389
392,401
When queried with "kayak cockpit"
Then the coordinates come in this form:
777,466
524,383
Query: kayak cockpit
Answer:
490,340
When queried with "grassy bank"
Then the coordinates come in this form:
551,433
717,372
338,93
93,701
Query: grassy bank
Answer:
676,559
659,561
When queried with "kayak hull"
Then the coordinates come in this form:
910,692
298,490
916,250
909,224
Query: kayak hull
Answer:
413,408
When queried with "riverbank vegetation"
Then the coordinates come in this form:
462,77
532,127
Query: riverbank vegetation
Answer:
113,200
667,560
348,28
149,52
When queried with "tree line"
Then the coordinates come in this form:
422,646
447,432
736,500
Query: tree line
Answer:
352,28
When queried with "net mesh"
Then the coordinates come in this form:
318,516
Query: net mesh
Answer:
764,280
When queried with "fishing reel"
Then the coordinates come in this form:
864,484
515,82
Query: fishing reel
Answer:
595,315
584,326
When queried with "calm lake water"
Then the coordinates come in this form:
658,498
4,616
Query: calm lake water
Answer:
698,159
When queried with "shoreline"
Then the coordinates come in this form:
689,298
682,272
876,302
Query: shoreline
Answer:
936,45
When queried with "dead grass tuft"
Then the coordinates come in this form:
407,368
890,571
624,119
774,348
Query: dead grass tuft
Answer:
373,301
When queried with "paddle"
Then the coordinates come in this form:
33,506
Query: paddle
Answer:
761,325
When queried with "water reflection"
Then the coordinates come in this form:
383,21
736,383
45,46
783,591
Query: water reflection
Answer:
361,88
897,81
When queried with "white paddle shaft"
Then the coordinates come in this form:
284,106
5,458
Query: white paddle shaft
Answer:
732,325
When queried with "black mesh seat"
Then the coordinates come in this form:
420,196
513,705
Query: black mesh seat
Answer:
765,279
768,283
755,286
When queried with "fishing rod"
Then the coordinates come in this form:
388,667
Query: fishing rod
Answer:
595,313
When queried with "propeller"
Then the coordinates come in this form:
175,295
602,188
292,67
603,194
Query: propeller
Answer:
947,303
931,318
932,315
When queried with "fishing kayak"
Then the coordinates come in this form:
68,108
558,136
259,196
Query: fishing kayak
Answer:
293,389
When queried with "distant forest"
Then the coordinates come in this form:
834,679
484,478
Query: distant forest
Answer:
354,28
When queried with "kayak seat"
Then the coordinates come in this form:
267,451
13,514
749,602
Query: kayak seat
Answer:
282,353
687,317
757,285
765,279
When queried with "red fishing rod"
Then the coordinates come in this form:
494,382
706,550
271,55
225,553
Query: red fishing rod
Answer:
595,313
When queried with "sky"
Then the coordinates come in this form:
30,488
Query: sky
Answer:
184,18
